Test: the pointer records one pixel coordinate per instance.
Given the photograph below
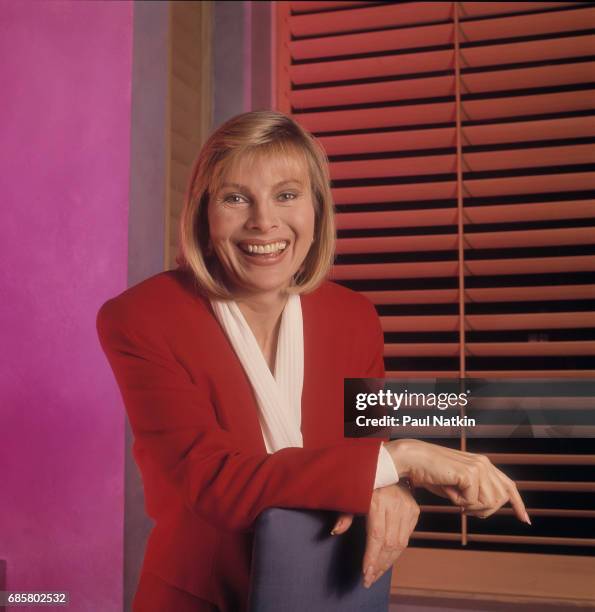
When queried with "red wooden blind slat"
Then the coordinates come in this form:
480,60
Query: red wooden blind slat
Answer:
391,65
434,269
485,294
531,265
304,6
532,51
442,190
553,22
405,89
405,166
371,18
530,238
484,9
538,103
420,296
531,294
547,183
396,218
378,142
369,42
527,131
421,350
533,320
397,244
409,323
381,117
549,373
548,211
516,349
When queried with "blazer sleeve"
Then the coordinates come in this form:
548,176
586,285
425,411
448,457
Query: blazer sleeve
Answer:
386,472
174,420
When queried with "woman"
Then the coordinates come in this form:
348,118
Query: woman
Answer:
231,369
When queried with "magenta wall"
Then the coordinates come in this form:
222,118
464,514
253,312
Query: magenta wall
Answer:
65,77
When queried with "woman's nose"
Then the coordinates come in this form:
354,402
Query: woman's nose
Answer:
263,216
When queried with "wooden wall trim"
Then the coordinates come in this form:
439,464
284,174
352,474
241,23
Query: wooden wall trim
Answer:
189,107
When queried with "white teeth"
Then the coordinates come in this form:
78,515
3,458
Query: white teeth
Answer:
273,247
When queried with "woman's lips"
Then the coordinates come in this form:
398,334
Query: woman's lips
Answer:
263,259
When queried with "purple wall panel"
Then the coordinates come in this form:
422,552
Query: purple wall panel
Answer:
65,79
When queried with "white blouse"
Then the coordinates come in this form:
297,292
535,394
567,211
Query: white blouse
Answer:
279,397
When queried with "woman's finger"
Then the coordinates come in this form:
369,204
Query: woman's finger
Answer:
375,527
493,496
516,501
467,486
342,524
452,493
387,549
498,490
404,521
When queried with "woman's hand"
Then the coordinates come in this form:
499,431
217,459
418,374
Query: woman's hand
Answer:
390,521
467,479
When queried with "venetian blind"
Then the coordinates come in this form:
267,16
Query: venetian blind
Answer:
461,140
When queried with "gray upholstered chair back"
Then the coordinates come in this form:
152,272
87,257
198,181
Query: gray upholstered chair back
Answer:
297,566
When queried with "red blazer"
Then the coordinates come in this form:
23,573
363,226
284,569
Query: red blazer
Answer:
198,441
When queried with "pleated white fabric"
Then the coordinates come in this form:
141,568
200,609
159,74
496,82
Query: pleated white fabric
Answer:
279,397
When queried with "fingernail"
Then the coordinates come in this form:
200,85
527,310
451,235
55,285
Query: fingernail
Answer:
527,519
333,532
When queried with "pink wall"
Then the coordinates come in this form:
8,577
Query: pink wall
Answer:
65,77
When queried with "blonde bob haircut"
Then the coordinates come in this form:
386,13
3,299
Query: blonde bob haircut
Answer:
274,135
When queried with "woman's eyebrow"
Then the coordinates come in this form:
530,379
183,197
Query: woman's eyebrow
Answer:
275,186
286,181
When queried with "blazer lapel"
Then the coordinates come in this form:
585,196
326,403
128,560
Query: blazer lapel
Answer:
233,396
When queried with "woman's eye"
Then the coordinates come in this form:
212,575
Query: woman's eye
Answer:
234,198
287,196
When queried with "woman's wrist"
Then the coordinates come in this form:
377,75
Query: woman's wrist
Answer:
400,452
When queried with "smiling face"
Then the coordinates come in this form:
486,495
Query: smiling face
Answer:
261,223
